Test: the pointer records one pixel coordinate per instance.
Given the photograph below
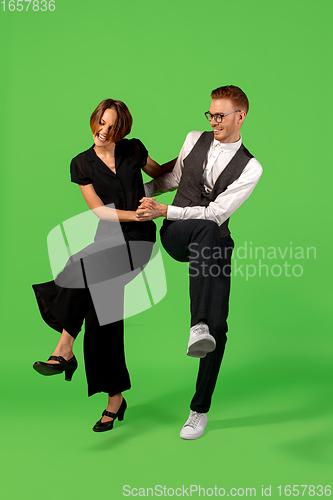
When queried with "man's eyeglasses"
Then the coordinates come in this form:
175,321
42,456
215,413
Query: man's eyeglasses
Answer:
218,118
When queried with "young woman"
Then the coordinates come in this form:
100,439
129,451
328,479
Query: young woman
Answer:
107,173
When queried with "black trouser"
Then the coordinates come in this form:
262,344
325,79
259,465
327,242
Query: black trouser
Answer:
198,242
66,302
104,356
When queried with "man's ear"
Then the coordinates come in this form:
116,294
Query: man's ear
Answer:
242,116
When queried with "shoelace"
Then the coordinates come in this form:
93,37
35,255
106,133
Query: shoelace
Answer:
199,327
194,419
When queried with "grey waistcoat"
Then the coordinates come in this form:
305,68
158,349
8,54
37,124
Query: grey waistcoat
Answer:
191,191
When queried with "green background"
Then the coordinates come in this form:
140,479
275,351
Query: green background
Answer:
271,417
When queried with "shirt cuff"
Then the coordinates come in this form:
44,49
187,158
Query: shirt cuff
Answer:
174,213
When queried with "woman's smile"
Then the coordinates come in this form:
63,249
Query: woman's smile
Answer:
101,137
106,124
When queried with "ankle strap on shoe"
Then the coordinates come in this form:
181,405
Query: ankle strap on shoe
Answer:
109,414
58,358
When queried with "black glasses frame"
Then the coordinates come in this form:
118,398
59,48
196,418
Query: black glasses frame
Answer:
218,117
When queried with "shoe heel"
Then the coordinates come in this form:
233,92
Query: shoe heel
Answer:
121,411
69,373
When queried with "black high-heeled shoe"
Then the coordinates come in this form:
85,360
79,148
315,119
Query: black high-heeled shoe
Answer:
107,426
68,367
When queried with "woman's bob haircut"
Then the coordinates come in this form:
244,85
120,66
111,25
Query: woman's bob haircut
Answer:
123,124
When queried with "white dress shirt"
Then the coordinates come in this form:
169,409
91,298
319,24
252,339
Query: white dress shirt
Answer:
225,204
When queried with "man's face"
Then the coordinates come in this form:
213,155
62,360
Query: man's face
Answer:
229,129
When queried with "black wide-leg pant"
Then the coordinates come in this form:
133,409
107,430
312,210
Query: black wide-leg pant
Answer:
198,242
69,305
104,356
103,346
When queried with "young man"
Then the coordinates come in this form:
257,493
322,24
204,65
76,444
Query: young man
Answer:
214,174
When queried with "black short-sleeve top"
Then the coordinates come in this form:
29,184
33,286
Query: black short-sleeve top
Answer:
124,188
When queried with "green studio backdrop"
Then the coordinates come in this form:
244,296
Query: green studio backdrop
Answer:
271,419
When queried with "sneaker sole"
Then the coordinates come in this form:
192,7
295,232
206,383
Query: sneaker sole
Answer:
191,437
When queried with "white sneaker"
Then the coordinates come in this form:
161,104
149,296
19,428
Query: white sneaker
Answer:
201,341
195,425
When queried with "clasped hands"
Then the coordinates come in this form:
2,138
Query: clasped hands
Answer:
150,209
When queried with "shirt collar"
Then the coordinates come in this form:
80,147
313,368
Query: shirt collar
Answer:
230,146
98,163
90,153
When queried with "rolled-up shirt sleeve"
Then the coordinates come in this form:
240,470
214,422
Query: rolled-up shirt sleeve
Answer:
170,182
165,183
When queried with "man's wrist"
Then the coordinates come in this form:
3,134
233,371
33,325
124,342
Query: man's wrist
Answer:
164,210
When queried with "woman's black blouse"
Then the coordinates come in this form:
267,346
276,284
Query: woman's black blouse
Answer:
124,189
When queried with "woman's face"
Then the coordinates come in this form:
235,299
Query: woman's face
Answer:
102,133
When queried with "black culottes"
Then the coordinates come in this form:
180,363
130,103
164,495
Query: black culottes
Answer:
95,275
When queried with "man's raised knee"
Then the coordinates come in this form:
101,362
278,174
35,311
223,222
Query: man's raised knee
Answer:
207,228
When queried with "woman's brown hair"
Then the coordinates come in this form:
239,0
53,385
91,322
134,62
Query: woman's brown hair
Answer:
123,123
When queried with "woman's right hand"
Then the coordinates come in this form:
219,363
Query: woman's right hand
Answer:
145,213
150,203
